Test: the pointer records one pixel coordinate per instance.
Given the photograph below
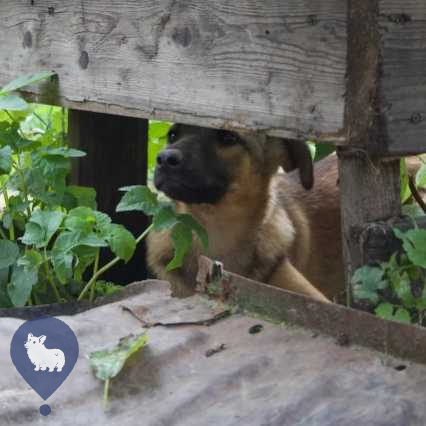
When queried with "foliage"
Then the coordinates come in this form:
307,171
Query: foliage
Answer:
51,233
396,289
157,138
108,363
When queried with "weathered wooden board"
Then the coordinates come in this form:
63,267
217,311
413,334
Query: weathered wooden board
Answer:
402,26
277,65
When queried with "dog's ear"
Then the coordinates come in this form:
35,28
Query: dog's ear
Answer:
30,335
293,155
41,339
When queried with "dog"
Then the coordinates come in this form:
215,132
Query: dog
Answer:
261,224
42,357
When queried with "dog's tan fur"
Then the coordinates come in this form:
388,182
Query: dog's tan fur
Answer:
267,226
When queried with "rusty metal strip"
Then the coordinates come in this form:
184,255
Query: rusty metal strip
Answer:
348,326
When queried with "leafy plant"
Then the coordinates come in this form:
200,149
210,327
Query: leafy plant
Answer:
51,233
396,289
108,363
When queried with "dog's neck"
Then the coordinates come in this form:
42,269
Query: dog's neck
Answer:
234,221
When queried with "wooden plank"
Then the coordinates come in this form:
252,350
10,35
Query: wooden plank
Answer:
275,65
369,192
403,87
116,148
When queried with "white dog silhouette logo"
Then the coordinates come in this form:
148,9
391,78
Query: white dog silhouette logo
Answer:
42,357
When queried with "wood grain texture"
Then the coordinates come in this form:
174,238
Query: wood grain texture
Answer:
275,65
369,192
116,150
402,27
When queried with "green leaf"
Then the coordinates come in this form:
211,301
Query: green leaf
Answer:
12,103
32,259
122,242
189,221
165,218
5,160
64,152
65,242
182,242
5,301
26,80
92,240
9,252
421,177
402,315
414,244
21,285
103,223
385,311
367,280
403,291
83,196
80,219
41,227
139,198
85,256
108,363
322,150
62,265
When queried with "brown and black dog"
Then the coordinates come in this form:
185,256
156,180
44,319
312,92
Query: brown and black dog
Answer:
261,224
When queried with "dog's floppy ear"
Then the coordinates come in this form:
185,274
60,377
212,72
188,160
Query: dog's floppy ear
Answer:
293,155
41,339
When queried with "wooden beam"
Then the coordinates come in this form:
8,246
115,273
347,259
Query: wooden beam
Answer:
273,65
402,26
116,150
369,192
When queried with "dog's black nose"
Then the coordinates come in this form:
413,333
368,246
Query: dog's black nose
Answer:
170,158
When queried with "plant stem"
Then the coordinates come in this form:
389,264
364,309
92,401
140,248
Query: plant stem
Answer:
50,279
110,265
10,115
41,120
24,185
106,392
95,270
2,234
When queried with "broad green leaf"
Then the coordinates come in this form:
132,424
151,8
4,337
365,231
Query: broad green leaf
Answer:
9,253
391,312
403,291
62,265
367,280
84,257
139,198
92,240
21,285
108,363
322,150
402,315
165,218
32,259
414,244
83,196
26,80
41,227
5,159
65,242
421,177
12,103
189,221
182,242
103,223
122,242
385,311
80,219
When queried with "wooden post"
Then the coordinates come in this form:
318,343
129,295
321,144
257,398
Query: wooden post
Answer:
369,191
116,148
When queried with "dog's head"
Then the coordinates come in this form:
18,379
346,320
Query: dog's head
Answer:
34,341
201,165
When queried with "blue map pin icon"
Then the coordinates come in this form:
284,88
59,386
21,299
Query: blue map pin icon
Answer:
44,350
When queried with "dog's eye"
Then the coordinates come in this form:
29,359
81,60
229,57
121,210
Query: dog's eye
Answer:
228,138
172,136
